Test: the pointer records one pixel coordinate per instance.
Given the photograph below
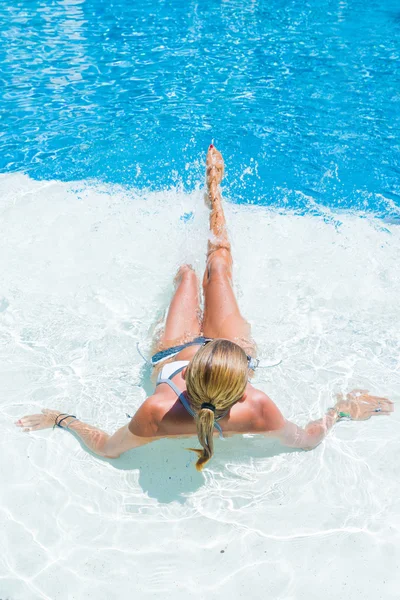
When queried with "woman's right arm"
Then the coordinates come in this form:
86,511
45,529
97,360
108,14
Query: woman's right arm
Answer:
142,429
358,405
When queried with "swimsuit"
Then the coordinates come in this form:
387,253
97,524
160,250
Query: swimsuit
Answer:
199,341
166,375
169,352
171,369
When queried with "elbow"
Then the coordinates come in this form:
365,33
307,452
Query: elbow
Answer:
312,443
104,448
109,452
309,447
110,455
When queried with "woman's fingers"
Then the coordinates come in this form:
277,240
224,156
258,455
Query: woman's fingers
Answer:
44,420
386,405
382,403
379,409
32,427
375,402
31,422
373,407
27,420
376,398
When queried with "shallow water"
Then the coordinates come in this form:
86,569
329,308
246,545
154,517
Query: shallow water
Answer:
322,295
106,111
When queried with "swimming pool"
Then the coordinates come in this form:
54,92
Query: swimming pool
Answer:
107,110
303,101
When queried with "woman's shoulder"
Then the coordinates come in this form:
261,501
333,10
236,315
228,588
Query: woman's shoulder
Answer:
146,421
267,416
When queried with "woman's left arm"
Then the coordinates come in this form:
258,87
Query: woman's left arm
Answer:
358,405
98,441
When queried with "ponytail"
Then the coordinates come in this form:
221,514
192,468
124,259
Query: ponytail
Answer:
205,433
216,378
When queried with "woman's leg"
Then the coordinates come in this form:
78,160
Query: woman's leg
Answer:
184,316
222,318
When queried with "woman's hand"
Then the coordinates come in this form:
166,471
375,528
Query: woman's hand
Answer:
361,406
45,420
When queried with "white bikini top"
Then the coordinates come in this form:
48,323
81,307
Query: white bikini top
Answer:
166,375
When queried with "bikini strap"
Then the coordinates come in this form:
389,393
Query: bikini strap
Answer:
169,352
166,380
183,399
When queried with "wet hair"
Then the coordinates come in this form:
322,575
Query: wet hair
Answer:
217,375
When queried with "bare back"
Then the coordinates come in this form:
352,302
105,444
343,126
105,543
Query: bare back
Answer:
254,413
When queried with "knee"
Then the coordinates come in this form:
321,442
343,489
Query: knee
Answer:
186,273
219,264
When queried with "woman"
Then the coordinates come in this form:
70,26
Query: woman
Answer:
204,365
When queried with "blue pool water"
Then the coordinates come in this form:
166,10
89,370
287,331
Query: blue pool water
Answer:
303,98
106,112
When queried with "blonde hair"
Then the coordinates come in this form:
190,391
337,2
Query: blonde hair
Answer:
217,374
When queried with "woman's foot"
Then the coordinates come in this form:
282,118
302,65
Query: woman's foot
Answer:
214,174
214,167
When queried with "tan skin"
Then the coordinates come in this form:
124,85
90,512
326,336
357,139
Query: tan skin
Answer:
162,414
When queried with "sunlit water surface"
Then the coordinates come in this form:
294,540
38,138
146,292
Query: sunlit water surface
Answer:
88,276
106,111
